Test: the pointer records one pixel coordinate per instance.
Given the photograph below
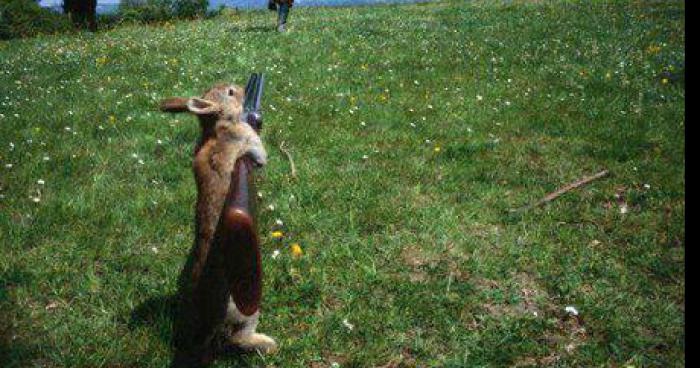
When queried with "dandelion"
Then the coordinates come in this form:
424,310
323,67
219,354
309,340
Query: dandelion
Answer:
436,149
664,81
296,250
277,234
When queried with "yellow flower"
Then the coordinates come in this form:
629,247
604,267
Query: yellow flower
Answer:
102,60
112,119
664,81
436,149
277,234
296,250
653,49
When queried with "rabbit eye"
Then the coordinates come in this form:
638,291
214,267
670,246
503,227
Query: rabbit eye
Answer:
231,92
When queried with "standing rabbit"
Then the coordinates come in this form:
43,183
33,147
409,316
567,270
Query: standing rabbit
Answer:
211,277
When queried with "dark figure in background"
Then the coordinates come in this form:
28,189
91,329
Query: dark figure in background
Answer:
83,13
282,7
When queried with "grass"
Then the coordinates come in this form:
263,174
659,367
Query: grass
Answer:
414,129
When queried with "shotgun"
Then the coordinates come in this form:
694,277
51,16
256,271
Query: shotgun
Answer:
238,217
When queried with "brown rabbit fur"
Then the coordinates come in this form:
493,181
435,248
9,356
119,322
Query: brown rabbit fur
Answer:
207,306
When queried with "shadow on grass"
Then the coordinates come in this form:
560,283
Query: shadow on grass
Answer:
161,315
14,349
167,319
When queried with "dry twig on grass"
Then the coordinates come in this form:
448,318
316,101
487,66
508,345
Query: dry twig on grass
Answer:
554,195
289,157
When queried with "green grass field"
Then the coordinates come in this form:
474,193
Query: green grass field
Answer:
415,130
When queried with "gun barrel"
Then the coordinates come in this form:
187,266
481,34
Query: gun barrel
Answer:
252,113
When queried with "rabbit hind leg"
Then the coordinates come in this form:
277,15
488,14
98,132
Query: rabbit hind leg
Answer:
242,331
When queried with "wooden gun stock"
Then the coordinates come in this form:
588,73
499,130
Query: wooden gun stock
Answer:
240,239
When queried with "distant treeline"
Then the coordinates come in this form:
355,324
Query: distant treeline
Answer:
26,18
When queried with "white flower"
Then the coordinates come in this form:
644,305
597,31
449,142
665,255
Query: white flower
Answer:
623,209
46,158
140,162
271,207
364,157
275,254
36,199
40,182
647,186
154,250
9,166
348,325
279,222
479,97
571,310
159,142
363,123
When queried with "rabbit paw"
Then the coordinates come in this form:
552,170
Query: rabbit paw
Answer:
258,154
255,341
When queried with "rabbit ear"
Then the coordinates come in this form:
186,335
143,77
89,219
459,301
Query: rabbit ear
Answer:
174,104
201,106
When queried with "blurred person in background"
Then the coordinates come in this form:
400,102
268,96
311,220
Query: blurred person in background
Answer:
282,7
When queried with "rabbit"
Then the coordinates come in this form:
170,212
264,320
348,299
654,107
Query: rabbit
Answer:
208,307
